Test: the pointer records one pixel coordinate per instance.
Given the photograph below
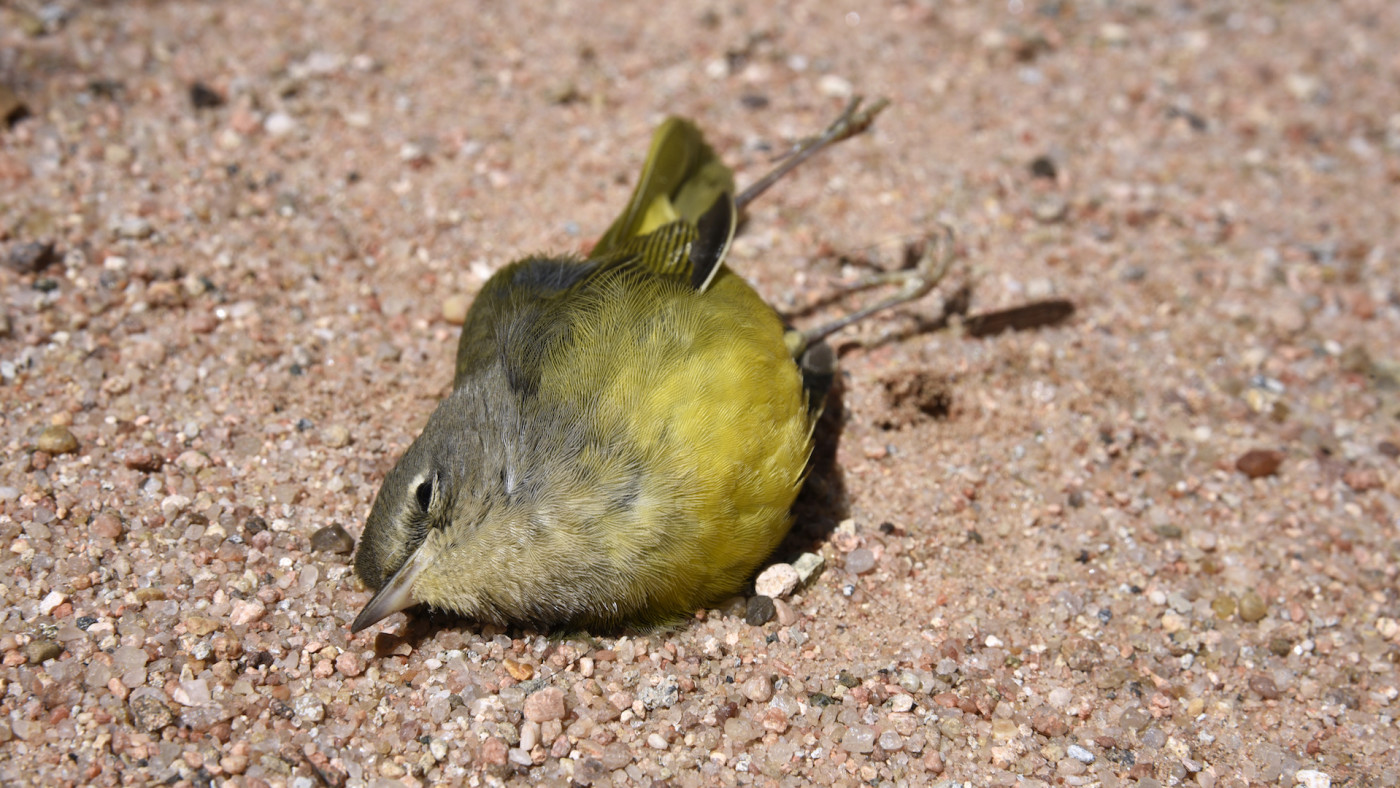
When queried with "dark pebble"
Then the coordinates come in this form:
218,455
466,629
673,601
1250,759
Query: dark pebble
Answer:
204,97
41,650
84,622
845,679
333,539
1044,167
821,700
31,258
760,610
255,524
1389,449
12,107
753,101
1280,646
1258,463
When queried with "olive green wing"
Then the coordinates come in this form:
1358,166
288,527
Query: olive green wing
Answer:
683,183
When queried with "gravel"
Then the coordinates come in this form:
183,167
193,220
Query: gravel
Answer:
225,311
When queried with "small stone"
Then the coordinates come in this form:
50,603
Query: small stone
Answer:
1223,606
1051,209
204,97
1048,723
234,763
133,228
278,124
454,309
1080,653
41,650
150,714
50,601
255,524
860,561
1312,778
336,436
309,708
859,739
246,611
143,459
808,566
657,742
833,85
192,462
333,539
1362,479
787,616
777,581
1258,463
520,671
56,439
545,705
1264,687
1252,606
1079,753
759,610
758,689
199,626
12,107
494,751
31,258
349,664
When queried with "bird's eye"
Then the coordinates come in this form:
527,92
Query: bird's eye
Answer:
424,493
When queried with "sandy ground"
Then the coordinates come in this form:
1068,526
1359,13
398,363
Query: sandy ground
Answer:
1153,543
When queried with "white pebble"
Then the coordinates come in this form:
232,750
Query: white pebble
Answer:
1079,753
777,581
1311,778
51,601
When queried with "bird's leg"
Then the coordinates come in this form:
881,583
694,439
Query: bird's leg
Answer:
853,121
914,284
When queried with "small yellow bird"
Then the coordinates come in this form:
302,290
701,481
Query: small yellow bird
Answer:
626,432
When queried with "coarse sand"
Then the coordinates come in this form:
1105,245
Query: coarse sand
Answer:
1151,541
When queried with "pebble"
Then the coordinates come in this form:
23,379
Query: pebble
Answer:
31,258
1312,778
279,124
808,566
1258,463
545,705
860,561
454,309
143,459
336,436
1051,209
133,228
56,439
1264,686
758,689
349,664
246,611
1223,606
1079,753
777,581
309,708
787,616
1252,606
41,650
759,611
333,539
150,714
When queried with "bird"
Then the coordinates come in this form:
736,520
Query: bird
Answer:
627,430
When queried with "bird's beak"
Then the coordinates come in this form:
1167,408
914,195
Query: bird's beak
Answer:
397,594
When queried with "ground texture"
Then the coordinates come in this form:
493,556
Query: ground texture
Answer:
1151,543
